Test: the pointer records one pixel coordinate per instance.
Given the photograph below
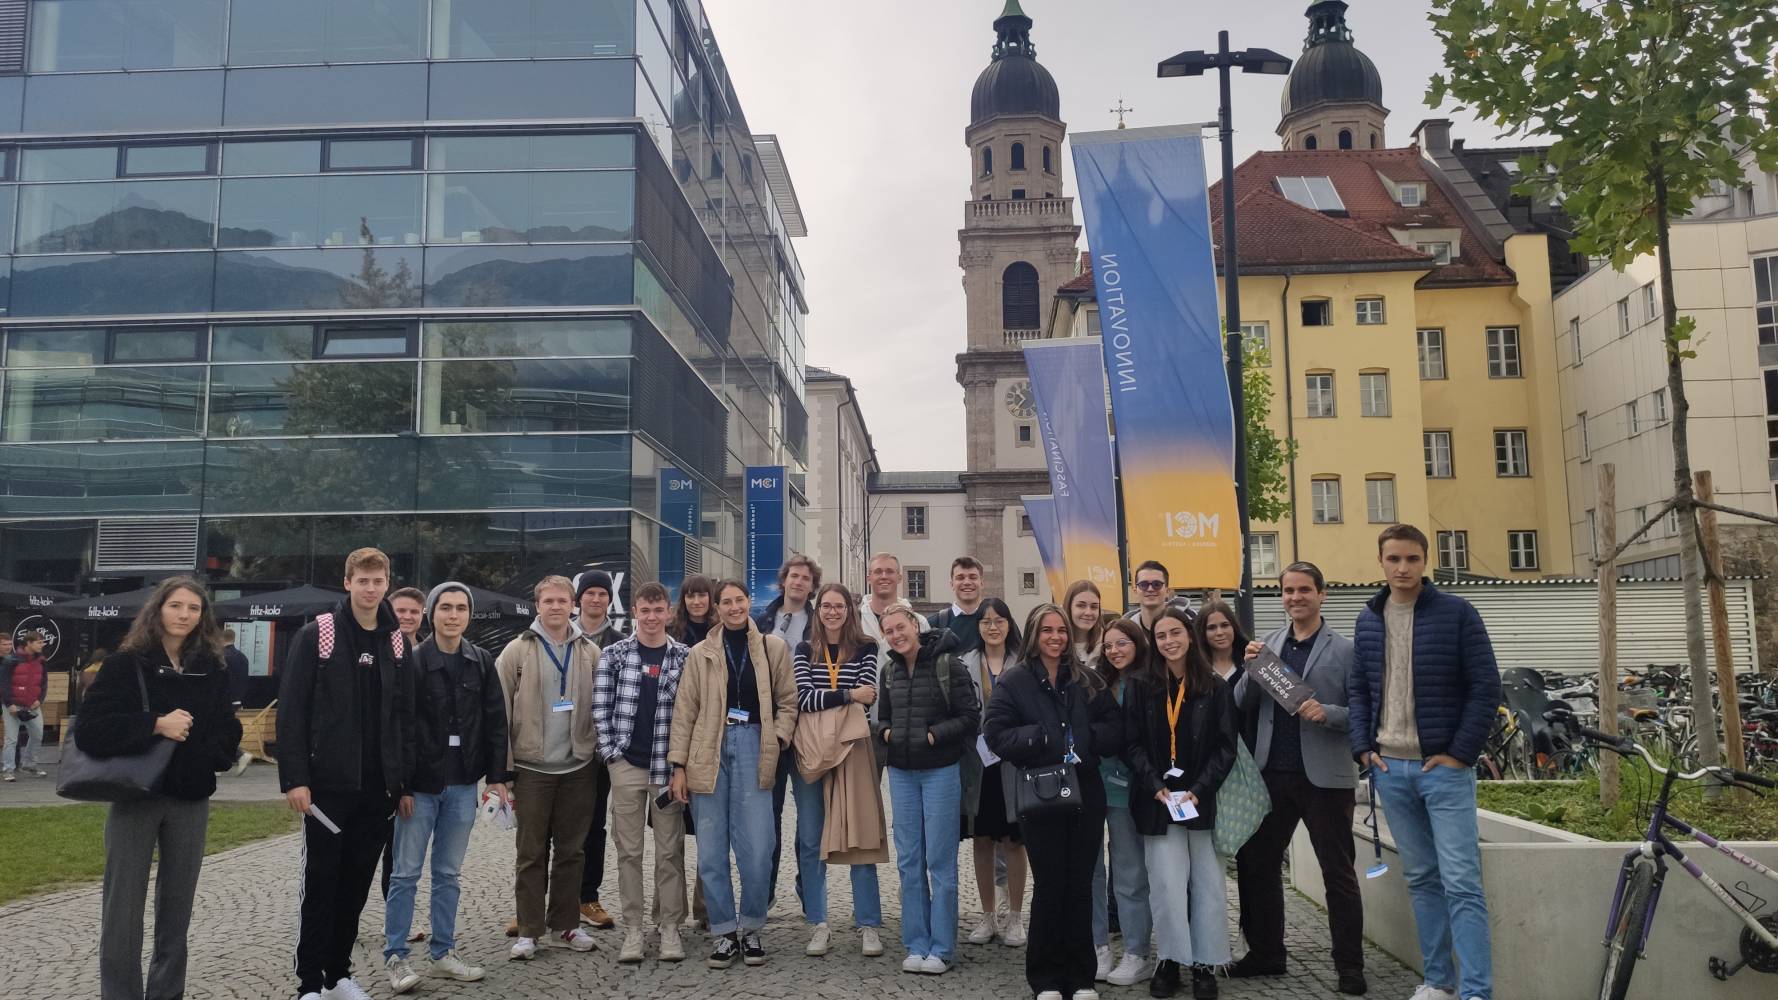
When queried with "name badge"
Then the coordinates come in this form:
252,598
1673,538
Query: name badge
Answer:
739,716
456,740
562,705
1174,773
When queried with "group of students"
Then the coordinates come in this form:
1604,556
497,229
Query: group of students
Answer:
704,719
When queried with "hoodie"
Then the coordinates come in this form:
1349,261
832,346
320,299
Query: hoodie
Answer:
544,739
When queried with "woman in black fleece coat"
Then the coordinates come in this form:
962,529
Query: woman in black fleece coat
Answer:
174,649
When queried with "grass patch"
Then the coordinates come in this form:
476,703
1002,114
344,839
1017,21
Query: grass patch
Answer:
1575,807
49,847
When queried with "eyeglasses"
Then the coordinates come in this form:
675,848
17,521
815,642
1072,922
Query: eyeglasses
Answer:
1118,645
1150,585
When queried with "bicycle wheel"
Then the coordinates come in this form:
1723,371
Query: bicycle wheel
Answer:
1625,941
1486,769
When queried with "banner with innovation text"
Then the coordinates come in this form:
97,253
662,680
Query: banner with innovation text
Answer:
1068,386
1042,512
1144,195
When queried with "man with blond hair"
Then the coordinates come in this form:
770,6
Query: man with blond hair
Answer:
546,675
884,577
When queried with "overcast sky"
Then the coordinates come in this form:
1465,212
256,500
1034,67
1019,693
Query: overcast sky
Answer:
870,99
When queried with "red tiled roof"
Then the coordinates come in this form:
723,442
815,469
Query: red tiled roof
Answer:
1276,232
1081,283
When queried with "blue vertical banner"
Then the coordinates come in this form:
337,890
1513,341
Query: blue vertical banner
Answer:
1042,512
768,499
1146,201
681,510
1068,386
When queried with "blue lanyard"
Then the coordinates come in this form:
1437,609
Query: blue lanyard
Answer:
561,668
735,671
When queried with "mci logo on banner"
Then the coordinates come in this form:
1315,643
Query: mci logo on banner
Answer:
1186,525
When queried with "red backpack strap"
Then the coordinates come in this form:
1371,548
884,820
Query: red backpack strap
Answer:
324,633
399,643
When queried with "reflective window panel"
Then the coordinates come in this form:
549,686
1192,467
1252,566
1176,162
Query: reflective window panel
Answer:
81,404
274,32
256,400
519,397
528,275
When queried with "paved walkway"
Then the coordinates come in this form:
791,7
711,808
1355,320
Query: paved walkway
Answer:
245,917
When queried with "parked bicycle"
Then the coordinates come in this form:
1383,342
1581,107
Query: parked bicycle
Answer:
1644,869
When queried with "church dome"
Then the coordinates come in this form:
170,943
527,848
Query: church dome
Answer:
1331,69
1014,83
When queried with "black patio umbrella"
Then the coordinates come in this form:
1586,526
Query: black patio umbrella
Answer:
490,605
104,608
297,602
29,597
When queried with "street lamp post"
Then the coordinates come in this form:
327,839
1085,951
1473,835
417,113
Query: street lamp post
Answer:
1196,63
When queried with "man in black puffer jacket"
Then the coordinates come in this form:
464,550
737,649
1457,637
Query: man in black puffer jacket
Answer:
928,720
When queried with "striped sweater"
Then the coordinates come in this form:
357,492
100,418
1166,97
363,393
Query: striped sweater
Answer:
815,690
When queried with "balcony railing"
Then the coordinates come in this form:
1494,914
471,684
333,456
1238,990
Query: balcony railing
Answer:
1015,338
1021,212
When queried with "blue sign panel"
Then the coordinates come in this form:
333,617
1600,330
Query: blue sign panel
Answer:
767,498
681,511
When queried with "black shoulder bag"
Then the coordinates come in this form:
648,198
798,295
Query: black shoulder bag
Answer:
1048,791
125,778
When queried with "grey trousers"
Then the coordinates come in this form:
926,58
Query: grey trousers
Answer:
132,832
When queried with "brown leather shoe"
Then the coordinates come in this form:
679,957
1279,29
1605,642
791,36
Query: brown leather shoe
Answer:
594,913
512,928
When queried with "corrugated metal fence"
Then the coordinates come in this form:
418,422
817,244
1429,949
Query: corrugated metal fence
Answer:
1554,625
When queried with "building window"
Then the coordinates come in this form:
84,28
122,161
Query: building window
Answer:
1623,317
1586,437
1263,547
1309,141
1024,525
1022,436
1018,194
1379,501
1439,251
1325,497
1321,394
1512,456
1765,299
1521,549
1256,337
1370,312
1373,394
1574,343
1046,161
1432,353
1660,407
1018,296
1651,303
1411,196
1437,445
366,341
1018,156
1671,523
1632,419
1640,514
913,520
1503,352
987,161
1592,534
1317,312
1376,143
916,578
1771,376
1453,550
1028,578
1345,138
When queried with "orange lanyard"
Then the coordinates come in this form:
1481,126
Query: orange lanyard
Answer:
1174,705
833,669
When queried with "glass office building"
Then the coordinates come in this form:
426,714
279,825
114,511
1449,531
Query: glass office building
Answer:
469,280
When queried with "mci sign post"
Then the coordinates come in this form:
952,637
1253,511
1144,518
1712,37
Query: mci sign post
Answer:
767,497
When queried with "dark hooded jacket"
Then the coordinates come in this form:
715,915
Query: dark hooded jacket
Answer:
321,722
916,702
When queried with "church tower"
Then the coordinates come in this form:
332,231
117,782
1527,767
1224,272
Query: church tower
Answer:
1334,96
1018,245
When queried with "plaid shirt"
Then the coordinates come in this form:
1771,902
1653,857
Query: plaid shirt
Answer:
617,687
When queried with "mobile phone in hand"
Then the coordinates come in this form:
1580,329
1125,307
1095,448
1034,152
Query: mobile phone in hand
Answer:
665,799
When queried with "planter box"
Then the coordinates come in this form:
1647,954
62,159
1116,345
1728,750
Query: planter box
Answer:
1548,894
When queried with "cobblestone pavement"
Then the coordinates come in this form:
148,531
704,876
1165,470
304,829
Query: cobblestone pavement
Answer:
245,915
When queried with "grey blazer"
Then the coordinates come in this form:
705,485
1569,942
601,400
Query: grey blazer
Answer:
1327,760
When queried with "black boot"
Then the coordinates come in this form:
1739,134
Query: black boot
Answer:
1203,983
1165,981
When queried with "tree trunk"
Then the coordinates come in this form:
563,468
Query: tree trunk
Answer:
1733,748
1607,505
1703,709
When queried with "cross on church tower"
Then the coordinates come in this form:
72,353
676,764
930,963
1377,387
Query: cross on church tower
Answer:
1120,111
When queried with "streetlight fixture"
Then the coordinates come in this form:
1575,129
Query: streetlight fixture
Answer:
1196,63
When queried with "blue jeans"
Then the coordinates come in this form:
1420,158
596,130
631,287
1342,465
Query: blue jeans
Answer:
27,758
737,814
1129,879
1189,895
444,822
1432,816
927,808
811,871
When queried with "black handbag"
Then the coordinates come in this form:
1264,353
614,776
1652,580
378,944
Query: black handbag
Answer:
125,778
1049,791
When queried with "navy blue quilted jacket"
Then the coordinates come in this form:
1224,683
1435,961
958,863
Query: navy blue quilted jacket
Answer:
1456,682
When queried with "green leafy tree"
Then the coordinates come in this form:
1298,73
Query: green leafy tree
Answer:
1647,103
1268,455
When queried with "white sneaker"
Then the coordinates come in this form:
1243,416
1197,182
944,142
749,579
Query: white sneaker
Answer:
820,941
1050,995
1103,952
402,976
632,949
1086,995
672,949
523,949
345,989
451,966
1132,970
983,931
1014,934
872,941
914,963
310,996
577,939
1425,992
934,966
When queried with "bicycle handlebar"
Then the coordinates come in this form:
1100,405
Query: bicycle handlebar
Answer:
1752,779
1626,745
1603,738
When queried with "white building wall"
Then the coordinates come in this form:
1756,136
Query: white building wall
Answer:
840,463
946,537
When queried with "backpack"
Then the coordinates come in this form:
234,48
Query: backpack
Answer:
324,635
